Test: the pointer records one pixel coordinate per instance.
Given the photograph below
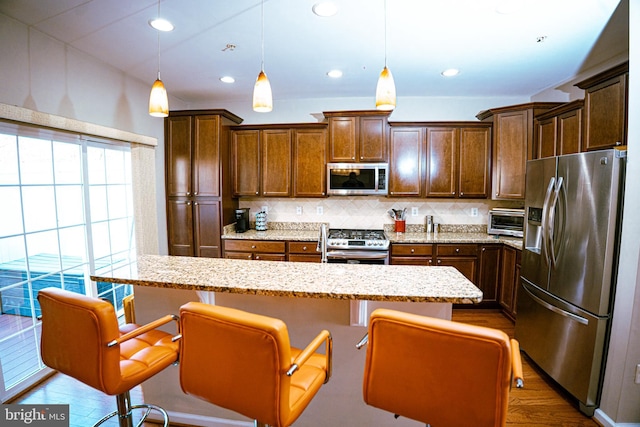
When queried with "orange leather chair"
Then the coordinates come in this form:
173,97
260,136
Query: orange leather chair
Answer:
439,372
81,338
243,362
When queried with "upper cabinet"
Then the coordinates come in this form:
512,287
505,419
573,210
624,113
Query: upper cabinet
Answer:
358,136
559,130
513,144
406,161
309,162
605,108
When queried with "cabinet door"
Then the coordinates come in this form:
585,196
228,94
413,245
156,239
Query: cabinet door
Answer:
605,108
489,273
245,146
309,163
508,280
373,139
547,132
442,162
180,227
342,139
206,156
569,132
276,162
510,154
178,156
475,146
465,265
406,159
207,228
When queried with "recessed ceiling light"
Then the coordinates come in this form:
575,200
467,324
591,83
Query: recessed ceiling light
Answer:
161,24
227,79
325,9
336,74
450,72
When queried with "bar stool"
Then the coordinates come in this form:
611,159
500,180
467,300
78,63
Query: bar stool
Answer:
439,372
243,362
81,338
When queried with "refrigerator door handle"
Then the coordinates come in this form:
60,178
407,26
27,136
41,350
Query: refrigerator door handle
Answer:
555,309
552,222
544,223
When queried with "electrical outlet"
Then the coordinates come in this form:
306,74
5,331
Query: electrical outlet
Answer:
299,210
319,210
265,209
637,374
414,211
474,211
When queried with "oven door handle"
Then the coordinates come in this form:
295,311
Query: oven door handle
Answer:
357,254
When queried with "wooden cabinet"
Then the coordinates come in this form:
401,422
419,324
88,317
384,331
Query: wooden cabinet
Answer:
199,199
262,162
309,162
406,161
605,108
411,254
559,130
464,257
458,161
358,136
265,250
510,280
489,274
513,144
303,252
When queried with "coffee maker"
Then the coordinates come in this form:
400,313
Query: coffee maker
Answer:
242,220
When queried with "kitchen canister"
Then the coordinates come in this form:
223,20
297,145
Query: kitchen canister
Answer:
261,221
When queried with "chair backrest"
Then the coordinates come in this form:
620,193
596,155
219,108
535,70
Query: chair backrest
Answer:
235,360
75,332
436,371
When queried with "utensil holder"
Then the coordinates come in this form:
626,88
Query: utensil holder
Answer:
400,226
261,221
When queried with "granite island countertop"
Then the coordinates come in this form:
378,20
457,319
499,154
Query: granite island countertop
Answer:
297,279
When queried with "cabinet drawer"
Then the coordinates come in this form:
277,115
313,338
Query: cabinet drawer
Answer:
238,255
411,260
457,250
411,250
303,248
254,246
305,258
269,257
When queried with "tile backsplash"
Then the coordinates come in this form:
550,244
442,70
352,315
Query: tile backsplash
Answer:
371,212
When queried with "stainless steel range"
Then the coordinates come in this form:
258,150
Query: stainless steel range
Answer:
354,246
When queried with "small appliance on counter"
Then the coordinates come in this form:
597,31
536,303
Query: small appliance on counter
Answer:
261,221
242,220
506,222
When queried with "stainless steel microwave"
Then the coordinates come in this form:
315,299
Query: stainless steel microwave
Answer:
357,179
507,222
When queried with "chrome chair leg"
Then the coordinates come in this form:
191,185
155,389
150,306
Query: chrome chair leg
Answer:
125,412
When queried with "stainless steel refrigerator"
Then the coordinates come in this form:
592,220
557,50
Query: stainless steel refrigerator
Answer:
569,267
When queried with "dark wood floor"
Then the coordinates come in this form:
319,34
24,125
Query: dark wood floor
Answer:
540,404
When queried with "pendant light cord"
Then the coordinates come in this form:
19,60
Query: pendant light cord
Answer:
385,33
262,34
159,41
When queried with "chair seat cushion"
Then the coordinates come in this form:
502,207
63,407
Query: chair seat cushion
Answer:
309,377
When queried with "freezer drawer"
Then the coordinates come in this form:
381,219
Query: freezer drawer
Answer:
566,342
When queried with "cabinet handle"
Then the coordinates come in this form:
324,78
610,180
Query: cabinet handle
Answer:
195,194
439,261
253,246
304,248
457,250
188,203
461,193
484,249
195,203
412,250
188,193
257,193
430,262
257,256
453,193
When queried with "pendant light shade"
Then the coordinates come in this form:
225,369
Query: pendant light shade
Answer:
158,100
386,91
262,98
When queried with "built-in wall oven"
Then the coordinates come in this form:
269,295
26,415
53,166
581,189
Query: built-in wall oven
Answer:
356,246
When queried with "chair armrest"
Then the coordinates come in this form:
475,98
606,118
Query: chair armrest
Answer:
145,328
311,348
363,341
516,364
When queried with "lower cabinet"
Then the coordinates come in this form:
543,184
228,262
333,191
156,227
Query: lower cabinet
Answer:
489,274
464,257
510,278
303,252
265,250
194,227
411,254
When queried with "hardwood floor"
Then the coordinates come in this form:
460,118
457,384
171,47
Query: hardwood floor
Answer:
541,403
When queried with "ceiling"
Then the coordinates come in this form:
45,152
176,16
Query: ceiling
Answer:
542,43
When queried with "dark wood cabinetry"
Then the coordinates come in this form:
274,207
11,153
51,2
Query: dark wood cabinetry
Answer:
358,136
411,254
406,161
560,130
510,279
265,250
513,144
199,199
309,162
605,108
464,257
489,274
303,252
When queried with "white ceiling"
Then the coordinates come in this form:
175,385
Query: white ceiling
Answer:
498,54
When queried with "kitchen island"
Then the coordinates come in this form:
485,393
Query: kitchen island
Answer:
308,297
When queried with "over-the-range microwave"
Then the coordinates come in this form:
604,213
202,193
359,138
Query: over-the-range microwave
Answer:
506,222
357,179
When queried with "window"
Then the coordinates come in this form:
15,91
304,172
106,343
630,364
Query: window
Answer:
67,213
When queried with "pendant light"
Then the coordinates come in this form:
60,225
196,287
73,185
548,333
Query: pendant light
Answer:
386,89
158,100
262,97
